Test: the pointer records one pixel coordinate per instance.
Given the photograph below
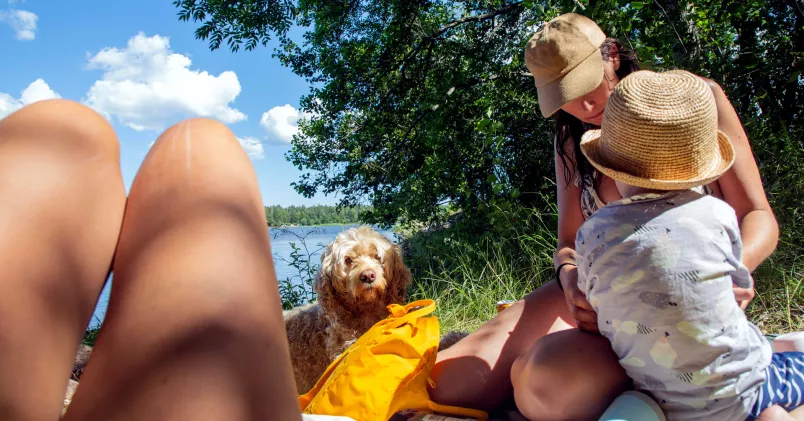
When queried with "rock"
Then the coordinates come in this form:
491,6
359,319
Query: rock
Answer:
68,396
81,359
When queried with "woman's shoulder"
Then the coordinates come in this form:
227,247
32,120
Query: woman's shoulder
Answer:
717,90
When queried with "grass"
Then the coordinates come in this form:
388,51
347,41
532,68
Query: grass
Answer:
467,276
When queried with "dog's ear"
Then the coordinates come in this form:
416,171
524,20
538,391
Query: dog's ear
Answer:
325,271
399,274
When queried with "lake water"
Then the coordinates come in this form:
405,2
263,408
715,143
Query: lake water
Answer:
316,239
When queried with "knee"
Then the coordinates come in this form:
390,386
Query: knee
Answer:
203,125
540,394
200,131
775,413
567,376
62,126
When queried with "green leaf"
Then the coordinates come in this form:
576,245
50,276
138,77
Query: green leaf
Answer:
491,178
482,124
637,5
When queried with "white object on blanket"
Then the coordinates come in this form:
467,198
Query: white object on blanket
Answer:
791,342
306,417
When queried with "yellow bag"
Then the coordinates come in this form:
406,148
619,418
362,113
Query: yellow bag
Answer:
386,370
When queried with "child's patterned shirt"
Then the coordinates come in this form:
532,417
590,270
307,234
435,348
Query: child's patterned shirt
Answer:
658,269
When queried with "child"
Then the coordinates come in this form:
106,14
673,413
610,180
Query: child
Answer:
658,266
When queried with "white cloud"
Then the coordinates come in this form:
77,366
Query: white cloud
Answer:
22,22
253,147
147,86
282,122
38,90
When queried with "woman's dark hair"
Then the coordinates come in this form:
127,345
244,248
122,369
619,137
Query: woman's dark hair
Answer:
570,129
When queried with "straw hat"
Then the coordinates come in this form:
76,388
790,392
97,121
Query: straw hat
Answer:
660,132
565,61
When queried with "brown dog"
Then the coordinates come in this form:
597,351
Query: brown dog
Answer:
361,274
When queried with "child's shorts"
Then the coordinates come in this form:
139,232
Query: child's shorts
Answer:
784,383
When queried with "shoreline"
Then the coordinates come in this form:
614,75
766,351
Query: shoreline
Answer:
316,226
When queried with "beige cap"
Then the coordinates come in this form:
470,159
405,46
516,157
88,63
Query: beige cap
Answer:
565,61
660,132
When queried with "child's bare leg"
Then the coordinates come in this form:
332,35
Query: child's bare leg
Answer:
194,329
797,414
777,413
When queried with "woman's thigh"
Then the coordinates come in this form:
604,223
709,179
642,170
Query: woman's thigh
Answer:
61,207
475,372
194,328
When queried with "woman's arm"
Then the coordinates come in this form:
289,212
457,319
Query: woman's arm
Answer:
742,188
570,218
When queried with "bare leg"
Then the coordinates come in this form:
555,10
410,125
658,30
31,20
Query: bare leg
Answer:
194,329
777,413
477,371
567,375
60,215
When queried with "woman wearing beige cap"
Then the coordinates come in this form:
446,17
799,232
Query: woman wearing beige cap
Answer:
555,371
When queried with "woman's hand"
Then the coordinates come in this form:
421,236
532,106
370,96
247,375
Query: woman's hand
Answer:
743,296
583,313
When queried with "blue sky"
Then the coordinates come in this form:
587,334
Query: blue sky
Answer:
144,70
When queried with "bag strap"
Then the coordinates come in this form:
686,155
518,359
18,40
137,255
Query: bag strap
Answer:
457,411
403,314
399,316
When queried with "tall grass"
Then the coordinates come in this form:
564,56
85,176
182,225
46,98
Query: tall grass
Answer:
468,273
779,304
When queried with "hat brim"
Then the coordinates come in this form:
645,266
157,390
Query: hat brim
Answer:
579,81
590,146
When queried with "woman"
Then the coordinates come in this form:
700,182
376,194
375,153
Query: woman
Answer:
555,371
194,328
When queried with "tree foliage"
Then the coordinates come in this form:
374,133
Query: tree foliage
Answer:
278,216
420,103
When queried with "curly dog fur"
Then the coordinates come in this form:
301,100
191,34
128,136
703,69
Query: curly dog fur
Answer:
361,274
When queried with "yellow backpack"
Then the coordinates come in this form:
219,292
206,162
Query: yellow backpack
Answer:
386,370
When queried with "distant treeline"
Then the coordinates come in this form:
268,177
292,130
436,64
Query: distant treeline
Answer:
312,215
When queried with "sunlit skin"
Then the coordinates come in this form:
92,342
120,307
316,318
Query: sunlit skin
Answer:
589,108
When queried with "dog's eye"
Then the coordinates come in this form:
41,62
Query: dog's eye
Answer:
348,260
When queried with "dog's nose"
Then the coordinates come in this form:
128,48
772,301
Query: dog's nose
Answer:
368,276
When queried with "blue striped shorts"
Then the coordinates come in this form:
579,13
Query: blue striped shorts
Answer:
784,383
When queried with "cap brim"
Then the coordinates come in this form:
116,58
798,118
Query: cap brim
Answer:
590,146
581,80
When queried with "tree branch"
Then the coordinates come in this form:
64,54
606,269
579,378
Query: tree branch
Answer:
476,18
430,39
435,107
672,26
